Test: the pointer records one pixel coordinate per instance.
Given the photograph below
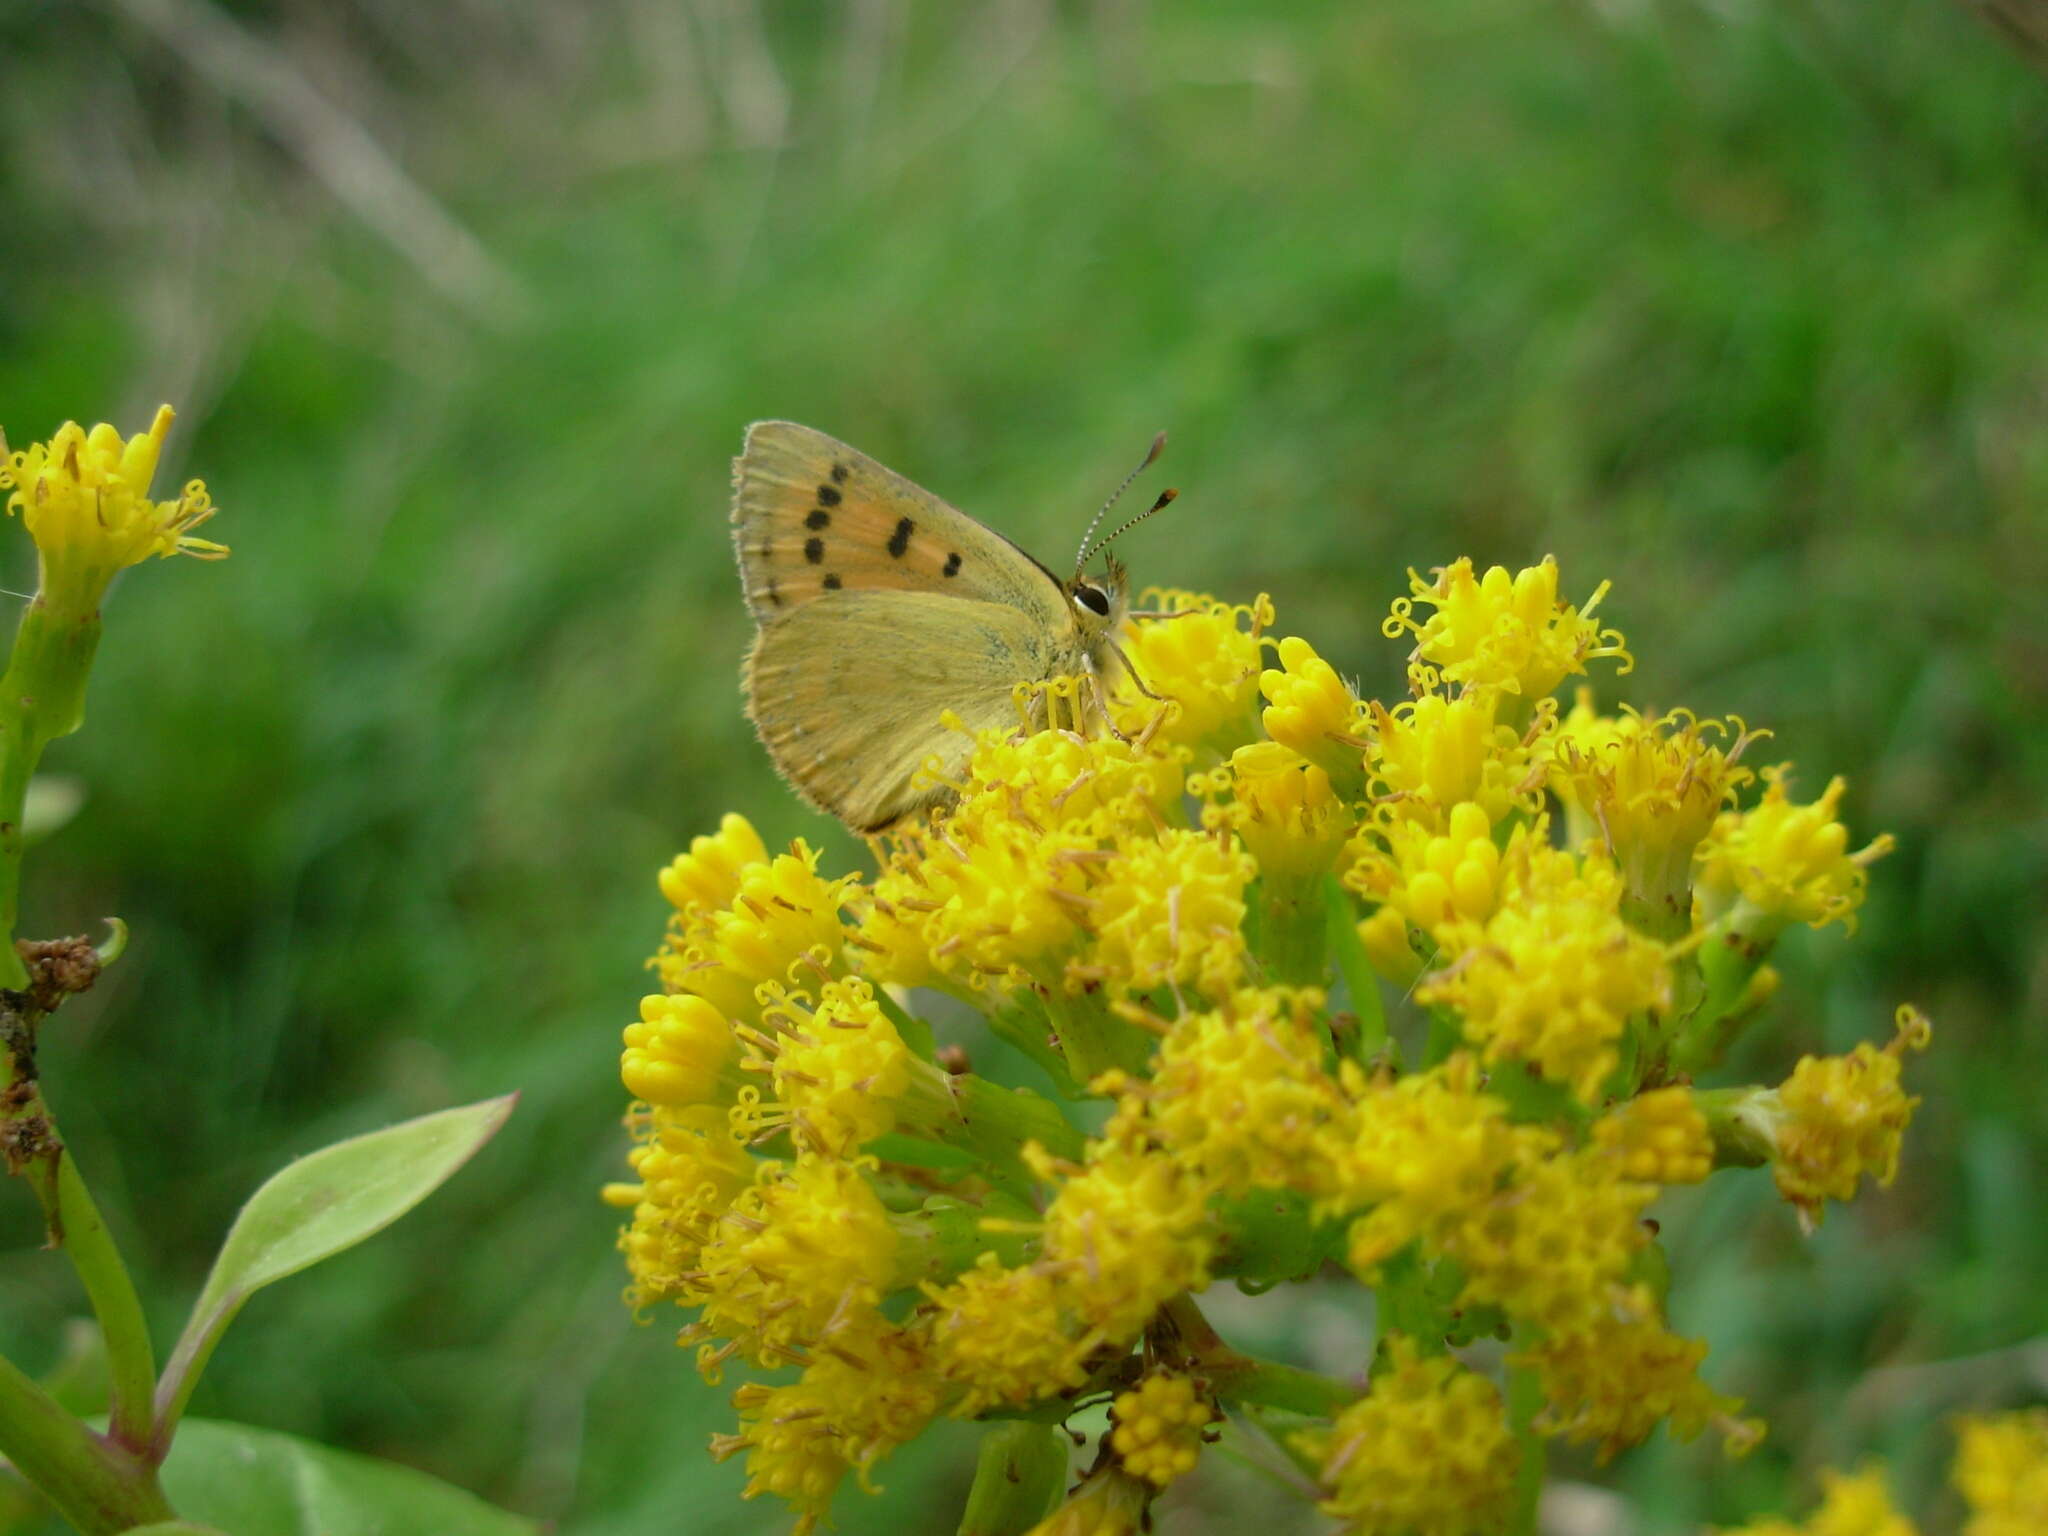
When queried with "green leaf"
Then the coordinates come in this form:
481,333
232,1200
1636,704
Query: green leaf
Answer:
255,1482
315,1208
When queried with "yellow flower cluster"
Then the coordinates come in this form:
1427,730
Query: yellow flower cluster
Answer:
1420,990
85,498
2001,1470
1426,1449
1158,1433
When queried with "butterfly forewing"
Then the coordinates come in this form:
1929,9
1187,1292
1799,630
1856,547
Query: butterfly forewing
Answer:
812,517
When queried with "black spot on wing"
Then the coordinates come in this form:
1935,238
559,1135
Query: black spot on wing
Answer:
832,582
953,564
817,517
839,473
828,495
814,550
899,541
774,597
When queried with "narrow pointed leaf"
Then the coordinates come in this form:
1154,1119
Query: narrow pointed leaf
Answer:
325,1202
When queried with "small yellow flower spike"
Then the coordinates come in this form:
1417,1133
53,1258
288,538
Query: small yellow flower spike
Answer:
1501,631
1839,1117
838,1068
1434,752
1659,1137
782,912
1291,821
1790,862
1157,1432
1311,710
690,1170
678,1051
1554,976
1649,788
1205,658
1127,1233
1170,910
2001,1469
1851,1505
709,874
996,1334
1612,1383
84,497
1110,1502
1426,1449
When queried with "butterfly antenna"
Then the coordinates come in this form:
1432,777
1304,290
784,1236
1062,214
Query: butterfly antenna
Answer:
1151,455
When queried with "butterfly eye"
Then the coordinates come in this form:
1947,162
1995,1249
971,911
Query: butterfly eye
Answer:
1094,599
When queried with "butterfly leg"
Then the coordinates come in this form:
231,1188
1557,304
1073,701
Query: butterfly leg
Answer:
1102,705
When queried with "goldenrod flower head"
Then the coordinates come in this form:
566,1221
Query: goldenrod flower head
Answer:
677,1053
1554,976
690,1170
1290,819
1170,909
1006,882
709,874
1839,1117
84,497
1434,879
1310,708
1426,1449
836,1066
2001,1469
1423,1153
1658,1137
1501,631
1206,659
868,1393
1790,862
1465,1063
1127,1233
1554,1246
1611,1382
1650,787
997,1335
1434,752
1110,1502
806,1244
1240,1096
1158,1428
782,913
1852,1504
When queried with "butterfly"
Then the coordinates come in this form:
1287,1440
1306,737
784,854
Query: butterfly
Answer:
880,608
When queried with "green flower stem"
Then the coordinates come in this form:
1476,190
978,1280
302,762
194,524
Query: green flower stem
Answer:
1290,928
1525,1401
1735,950
1739,1120
1021,1472
99,1486
75,1224
986,1119
1340,929
1092,1040
1242,1378
42,697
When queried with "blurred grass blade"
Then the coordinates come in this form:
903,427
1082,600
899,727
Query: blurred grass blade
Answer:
229,1477
315,1208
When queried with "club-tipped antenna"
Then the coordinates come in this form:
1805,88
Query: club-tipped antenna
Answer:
1151,455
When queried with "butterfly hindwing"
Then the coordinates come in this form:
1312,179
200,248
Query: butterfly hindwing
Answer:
813,517
847,694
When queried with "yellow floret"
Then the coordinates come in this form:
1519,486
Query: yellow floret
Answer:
1426,1449
837,1068
1206,660
1851,1505
1169,910
677,1053
1501,631
2001,1469
1310,709
782,912
1838,1118
1157,1432
1433,752
709,874
1658,1137
85,499
1790,862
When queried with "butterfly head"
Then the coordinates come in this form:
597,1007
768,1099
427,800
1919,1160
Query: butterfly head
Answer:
1099,603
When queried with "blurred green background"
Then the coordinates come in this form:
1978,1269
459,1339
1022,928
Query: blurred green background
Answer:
464,307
